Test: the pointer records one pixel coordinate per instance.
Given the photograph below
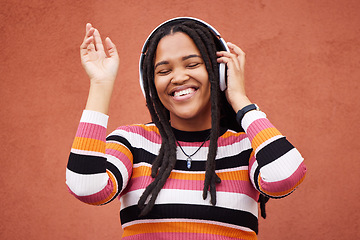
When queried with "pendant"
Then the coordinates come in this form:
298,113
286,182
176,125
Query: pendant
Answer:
188,162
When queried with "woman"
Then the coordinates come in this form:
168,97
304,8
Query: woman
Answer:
201,140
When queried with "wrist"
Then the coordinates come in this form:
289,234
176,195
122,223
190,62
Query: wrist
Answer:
99,97
241,113
240,102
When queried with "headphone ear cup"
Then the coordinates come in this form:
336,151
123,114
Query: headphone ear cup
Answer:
222,76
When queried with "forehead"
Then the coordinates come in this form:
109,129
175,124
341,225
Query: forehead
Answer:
175,45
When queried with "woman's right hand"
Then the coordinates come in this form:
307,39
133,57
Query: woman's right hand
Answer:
100,68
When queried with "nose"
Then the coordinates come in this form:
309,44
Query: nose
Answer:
180,76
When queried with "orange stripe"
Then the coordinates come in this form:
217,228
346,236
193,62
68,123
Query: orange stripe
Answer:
149,128
242,175
120,148
89,144
141,171
187,227
283,193
231,134
112,178
264,135
233,175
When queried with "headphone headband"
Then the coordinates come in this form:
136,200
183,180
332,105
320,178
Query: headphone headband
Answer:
222,68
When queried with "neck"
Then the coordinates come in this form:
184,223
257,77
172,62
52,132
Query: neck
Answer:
191,125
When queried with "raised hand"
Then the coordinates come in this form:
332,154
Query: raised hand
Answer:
99,67
235,62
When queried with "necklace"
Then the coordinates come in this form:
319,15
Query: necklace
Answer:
189,159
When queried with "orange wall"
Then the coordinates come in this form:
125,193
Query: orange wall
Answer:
302,69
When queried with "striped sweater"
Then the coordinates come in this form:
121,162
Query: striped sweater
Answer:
259,160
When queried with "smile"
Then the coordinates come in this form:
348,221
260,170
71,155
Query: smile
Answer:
184,92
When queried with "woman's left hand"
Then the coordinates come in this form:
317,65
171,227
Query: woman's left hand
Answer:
235,62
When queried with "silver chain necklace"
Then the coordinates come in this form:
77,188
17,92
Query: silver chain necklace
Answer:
189,159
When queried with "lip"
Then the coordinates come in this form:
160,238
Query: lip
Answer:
184,97
180,88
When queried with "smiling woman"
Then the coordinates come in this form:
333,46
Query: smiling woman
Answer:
182,83
201,141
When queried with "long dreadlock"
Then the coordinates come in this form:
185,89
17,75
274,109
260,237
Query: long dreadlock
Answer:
166,158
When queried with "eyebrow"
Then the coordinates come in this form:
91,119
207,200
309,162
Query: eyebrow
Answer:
183,59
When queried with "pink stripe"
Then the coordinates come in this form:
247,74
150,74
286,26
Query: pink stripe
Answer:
184,235
257,126
122,157
97,197
146,133
89,130
252,161
286,184
231,140
234,186
194,144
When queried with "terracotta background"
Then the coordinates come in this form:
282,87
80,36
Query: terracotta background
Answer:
303,70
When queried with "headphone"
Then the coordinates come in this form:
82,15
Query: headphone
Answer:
219,42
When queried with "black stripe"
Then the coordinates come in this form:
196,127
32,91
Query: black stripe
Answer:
211,213
84,164
120,140
141,155
117,175
273,151
269,154
241,159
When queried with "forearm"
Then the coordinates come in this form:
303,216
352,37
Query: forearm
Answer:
87,176
276,166
99,97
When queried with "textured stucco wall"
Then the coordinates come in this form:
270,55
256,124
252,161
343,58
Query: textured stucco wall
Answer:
302,70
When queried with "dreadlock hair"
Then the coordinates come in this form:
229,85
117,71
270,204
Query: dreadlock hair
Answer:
221,111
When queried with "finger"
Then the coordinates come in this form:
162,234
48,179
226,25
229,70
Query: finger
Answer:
88,26
89,31
87,45
98,42
111,48
240,53
88,39
230,58
235,48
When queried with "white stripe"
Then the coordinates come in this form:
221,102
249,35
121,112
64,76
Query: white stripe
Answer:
234,149
88,153
141,164
228,170
252,173
95,118
120,165
223,151
138,141
186,220
235,201
84,185
250,117
283,167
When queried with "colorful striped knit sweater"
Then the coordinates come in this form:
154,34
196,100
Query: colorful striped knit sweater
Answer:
257,160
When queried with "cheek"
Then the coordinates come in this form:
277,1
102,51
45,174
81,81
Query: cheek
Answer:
160,86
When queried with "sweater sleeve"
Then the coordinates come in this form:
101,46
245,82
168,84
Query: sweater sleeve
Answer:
276,167
98,169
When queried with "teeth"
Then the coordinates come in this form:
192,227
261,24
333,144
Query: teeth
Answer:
183,92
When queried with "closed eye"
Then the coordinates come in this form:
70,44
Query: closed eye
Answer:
193,65
163,72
